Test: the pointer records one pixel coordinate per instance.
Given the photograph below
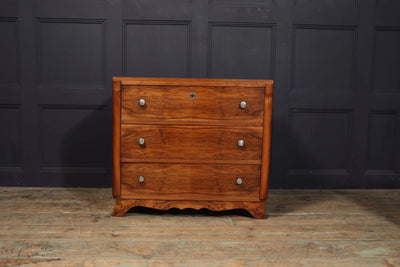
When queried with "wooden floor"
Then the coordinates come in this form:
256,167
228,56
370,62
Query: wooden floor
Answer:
74,227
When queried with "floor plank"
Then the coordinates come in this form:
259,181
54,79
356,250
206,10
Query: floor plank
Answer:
74,227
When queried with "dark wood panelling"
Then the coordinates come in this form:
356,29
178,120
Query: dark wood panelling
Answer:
382,167
387,60
244,49
157,9
156,48
387,4
11,146
382,161
327,145
335,63
387,12
320,144
239,10
71,53
10,136
67,136
327,4
9,8
323,58
71,8
9,53
382,141
382,156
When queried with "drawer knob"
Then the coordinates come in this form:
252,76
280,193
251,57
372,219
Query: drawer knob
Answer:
239,181
141,141
141,179
243,104
142,102
240,143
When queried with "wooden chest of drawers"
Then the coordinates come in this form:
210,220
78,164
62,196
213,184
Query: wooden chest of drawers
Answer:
191,143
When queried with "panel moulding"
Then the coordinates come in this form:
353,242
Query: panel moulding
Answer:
66,169
395,153
44,20
296,27
17,83
271,26
127,22
378,29
14,167
347,145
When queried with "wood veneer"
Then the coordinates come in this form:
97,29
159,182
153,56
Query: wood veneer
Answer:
190,157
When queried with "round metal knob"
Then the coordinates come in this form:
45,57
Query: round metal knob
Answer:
142,102
141,141
243,104
240,143
141,179
239,181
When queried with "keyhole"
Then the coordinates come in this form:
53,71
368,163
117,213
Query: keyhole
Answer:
193,95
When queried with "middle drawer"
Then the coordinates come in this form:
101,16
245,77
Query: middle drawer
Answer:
191,142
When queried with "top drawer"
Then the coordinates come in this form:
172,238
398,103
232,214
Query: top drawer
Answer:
171,104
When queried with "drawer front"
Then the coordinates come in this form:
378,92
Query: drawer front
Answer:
190,181
181,103
191,142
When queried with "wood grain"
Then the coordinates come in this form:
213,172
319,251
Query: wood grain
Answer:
255,208
175,104
266,146
191,129
195,161
200,233
74,227
116,109
191,82
190,181
191,142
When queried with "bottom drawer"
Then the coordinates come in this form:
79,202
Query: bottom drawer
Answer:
190,181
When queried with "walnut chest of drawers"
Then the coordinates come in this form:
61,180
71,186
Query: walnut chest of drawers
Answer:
191,143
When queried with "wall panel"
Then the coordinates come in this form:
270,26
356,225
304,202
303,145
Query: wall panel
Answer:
335,64
245,49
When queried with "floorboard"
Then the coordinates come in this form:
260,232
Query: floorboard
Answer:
74,227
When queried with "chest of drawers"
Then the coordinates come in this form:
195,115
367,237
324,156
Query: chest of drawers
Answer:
191,143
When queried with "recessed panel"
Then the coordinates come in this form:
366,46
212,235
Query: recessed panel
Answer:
73,136
387,61
327,4
161,9
157,50
320,139
382,141
238,10
323,59
387,12
71,8
388,4
240,51
10,136
9,53
8,8
71,54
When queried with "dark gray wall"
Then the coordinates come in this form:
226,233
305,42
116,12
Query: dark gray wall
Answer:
336,64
